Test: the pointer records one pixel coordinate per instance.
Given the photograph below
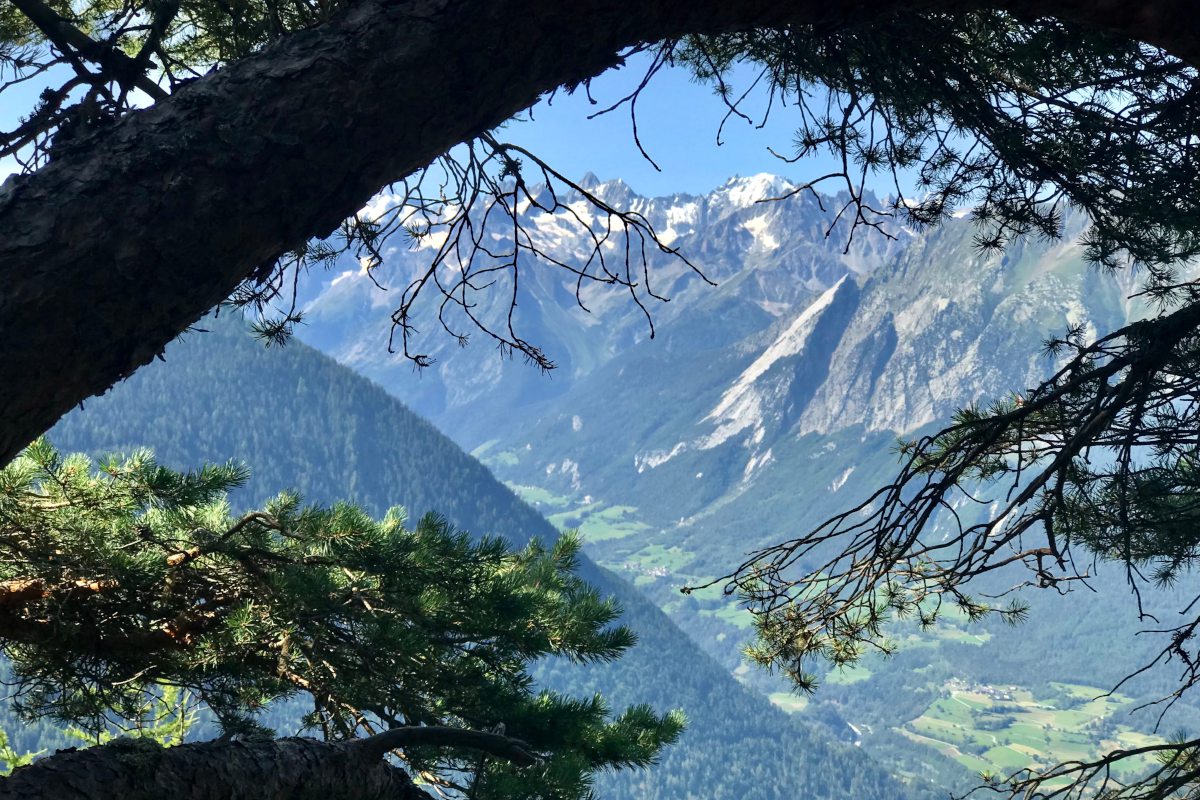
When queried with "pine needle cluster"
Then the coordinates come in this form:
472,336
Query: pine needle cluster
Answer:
122,576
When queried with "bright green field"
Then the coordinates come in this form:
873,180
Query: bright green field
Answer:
789,702
538,497
1003,729
597,522
848,675
731,613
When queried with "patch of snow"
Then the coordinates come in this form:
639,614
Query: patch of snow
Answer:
758,227
379,205
756,463
775,308
745,192
569,467
685,214
656,458
1077,315
583,211
840,480
432,240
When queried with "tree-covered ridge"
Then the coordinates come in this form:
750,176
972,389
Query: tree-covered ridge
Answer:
665,467
370,449
123,576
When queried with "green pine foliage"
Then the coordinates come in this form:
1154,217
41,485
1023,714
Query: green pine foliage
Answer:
166,716
121,576
10,758
300,420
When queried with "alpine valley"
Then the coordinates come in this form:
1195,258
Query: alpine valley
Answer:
761,406
300,421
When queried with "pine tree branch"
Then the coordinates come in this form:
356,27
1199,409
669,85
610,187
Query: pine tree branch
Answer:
496,744
69,39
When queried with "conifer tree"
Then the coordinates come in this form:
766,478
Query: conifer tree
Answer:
122,577
132,222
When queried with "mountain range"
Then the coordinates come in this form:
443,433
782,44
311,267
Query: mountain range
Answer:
762,406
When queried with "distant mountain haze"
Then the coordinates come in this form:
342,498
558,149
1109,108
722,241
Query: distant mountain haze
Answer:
765,405
301,421
803,343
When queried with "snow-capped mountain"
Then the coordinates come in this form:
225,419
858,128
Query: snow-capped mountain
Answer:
765,404
768,259
808,358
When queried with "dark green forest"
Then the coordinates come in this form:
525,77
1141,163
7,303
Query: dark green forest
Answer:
300,421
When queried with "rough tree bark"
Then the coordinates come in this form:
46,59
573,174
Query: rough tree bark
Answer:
302,769
112,250
295,768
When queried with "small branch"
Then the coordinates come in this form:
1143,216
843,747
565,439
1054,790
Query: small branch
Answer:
69,39
505,747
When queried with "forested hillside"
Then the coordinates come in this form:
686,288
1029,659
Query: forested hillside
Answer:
299,420
775,400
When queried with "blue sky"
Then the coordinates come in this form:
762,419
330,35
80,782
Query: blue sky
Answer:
678,121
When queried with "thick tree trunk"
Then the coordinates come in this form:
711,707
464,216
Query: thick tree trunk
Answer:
111,251
130,769
296,768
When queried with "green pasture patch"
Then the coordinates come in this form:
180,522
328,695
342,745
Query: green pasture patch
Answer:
1020,731
939,729
1071,720
614,522
503,458
732,613
597,522
844,676
1132,739
972,700
791,703
1007,758
1078,690
951,709
573,518
618,511
959,635
1044,717
660,558
480,451
714,592
1032,736
1031,753
971,762
1136,766
538,497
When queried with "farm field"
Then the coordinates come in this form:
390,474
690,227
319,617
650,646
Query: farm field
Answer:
1002,729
